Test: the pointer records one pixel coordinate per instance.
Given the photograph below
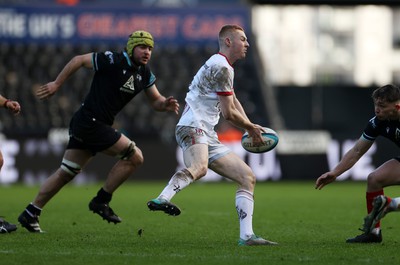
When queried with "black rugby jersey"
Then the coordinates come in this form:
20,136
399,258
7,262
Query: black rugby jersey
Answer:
116,81
387,128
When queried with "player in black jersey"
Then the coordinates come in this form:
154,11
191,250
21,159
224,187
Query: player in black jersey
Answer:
386,123
118,78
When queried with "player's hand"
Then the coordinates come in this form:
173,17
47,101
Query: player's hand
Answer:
171,104
255,134
324,180
47,90
14,107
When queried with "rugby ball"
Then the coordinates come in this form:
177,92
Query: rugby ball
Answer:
270,137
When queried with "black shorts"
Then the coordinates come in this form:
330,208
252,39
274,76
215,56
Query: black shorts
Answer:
86,133
397,158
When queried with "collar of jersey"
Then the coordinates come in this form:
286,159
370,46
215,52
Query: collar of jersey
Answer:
225,58
128,59
130,63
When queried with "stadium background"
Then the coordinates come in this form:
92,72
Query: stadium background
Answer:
309,74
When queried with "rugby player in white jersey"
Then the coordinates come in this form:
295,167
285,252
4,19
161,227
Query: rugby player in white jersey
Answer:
210,94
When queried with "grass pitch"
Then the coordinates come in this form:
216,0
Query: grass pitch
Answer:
310,226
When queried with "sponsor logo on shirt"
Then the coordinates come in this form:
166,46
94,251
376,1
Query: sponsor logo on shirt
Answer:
373,122
129,86
110,56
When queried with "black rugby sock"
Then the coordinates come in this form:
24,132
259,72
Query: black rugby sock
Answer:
33,210
103,196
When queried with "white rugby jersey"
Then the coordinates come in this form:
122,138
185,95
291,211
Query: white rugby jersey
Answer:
202,108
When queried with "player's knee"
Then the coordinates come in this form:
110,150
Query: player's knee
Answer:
249,180
200,171
63,176
71,168
138,158
372,177
128,152
374,181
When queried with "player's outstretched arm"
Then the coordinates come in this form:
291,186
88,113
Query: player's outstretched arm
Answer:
70,68
347,162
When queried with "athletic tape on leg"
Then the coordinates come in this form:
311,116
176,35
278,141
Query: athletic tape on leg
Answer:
70,167
128,152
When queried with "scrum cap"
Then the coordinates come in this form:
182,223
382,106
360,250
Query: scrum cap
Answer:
139,37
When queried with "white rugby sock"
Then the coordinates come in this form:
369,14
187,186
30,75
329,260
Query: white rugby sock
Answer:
179,181
244,208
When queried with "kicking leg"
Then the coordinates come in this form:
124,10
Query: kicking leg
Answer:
196,160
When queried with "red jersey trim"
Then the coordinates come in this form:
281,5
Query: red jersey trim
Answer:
225,93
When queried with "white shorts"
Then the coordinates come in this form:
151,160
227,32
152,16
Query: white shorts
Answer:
187,136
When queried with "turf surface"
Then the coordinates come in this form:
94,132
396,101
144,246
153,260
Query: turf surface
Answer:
310,226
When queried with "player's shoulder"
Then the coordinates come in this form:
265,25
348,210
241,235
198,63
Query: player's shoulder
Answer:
219,59
218,63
